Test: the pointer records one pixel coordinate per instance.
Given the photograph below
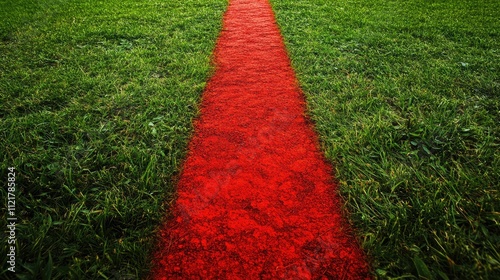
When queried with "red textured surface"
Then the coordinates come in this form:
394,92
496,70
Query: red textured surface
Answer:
256,199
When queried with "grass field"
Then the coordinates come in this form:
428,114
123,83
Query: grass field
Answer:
96,103
406,99
97,98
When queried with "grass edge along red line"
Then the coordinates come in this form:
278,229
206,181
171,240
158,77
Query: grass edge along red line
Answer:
256,198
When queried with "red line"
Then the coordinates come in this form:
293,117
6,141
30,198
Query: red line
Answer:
256,199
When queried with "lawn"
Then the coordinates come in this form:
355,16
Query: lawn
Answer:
405,96
96,105
97,100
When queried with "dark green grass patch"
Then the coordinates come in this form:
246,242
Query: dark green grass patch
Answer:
96,103
406,99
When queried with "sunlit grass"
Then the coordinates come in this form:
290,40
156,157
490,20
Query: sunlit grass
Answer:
405,96
96,104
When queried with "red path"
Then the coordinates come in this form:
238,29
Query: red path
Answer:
255,199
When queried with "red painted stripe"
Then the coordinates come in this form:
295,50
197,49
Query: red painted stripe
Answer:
256,199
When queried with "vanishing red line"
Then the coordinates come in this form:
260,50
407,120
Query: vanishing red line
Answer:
256,198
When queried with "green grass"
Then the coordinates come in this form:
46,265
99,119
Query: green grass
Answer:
406,100
96,104
97,98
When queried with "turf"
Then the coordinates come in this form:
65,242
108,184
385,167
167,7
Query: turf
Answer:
96,104
97,98
405,96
